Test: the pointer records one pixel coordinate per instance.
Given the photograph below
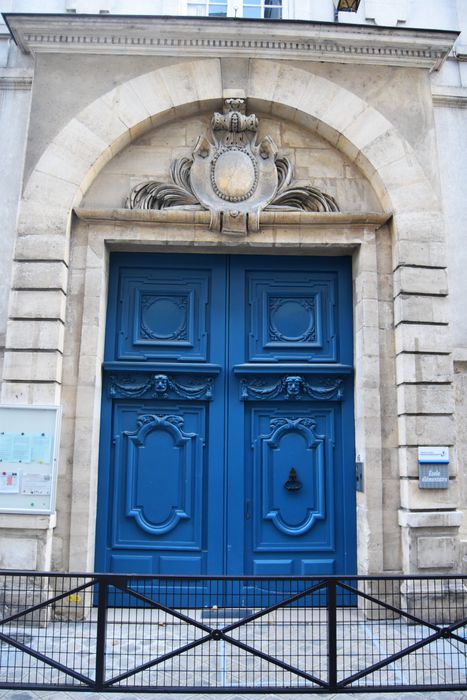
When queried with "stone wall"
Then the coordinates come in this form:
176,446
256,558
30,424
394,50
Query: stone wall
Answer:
316,162
345,137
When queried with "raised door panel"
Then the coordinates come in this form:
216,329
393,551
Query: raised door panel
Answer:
291,488
163,312
158,497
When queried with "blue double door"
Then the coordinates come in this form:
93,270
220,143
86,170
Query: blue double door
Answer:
227,442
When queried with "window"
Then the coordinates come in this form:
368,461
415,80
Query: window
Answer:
249,9
262,9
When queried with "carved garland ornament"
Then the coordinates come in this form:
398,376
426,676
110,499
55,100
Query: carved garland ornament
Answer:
292,387
159,386
232,168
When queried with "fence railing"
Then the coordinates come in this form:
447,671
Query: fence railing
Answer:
108,632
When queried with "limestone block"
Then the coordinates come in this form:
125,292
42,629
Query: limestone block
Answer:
76,606
49,218
46,189
437,552
35,335
41,393
419,252
386,591
104,122
430,519
415,337
437,602
388,148
366,314
38,304
426,430
207,80
18,552
366,343
127,105
366,285
152,92
410,197
424,224
81,144
262,80
180,83
421,309
416,367
343,110
415,498
367,127
40,275
320,163
311,95
425,398
405,169
58,160
89,369
42,247
33,366
420,280
17,593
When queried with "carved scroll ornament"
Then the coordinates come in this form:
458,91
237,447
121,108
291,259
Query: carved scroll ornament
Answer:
232,175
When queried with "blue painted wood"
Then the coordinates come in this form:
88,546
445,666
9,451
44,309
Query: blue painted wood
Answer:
227,439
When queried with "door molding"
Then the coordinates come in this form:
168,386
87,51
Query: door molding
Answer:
357,238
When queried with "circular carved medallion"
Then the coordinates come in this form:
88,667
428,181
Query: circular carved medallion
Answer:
234,175
291,320
164,318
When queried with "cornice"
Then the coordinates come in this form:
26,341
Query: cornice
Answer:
447,96
151,217
15,79
207,37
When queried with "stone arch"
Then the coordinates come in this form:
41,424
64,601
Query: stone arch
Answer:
95,135
81,149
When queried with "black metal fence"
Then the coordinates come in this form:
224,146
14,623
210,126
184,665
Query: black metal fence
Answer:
106,632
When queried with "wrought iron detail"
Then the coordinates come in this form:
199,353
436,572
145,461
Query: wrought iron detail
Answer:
230,167
293,484
293,387
420,631
160,386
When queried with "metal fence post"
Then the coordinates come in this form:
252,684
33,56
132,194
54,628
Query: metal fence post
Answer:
101,633
332,635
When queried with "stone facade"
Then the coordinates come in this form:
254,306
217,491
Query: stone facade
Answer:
362,129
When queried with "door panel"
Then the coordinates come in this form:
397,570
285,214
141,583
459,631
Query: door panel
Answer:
227,418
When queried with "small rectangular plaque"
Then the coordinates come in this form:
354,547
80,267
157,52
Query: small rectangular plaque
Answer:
433,476
433,455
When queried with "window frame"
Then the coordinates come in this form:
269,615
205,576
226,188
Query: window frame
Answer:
231,5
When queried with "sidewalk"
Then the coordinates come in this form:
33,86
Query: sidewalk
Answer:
28,695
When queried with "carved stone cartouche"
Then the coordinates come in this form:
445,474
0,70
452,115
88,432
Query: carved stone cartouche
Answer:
232,175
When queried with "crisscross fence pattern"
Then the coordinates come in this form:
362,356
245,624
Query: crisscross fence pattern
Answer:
122,633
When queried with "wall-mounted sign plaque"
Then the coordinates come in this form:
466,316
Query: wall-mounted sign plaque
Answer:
28,458
433,455
433,476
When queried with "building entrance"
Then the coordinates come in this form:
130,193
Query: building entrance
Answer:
227,443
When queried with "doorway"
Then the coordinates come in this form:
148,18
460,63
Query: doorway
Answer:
227,434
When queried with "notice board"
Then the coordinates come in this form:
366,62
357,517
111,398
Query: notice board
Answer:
28,458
